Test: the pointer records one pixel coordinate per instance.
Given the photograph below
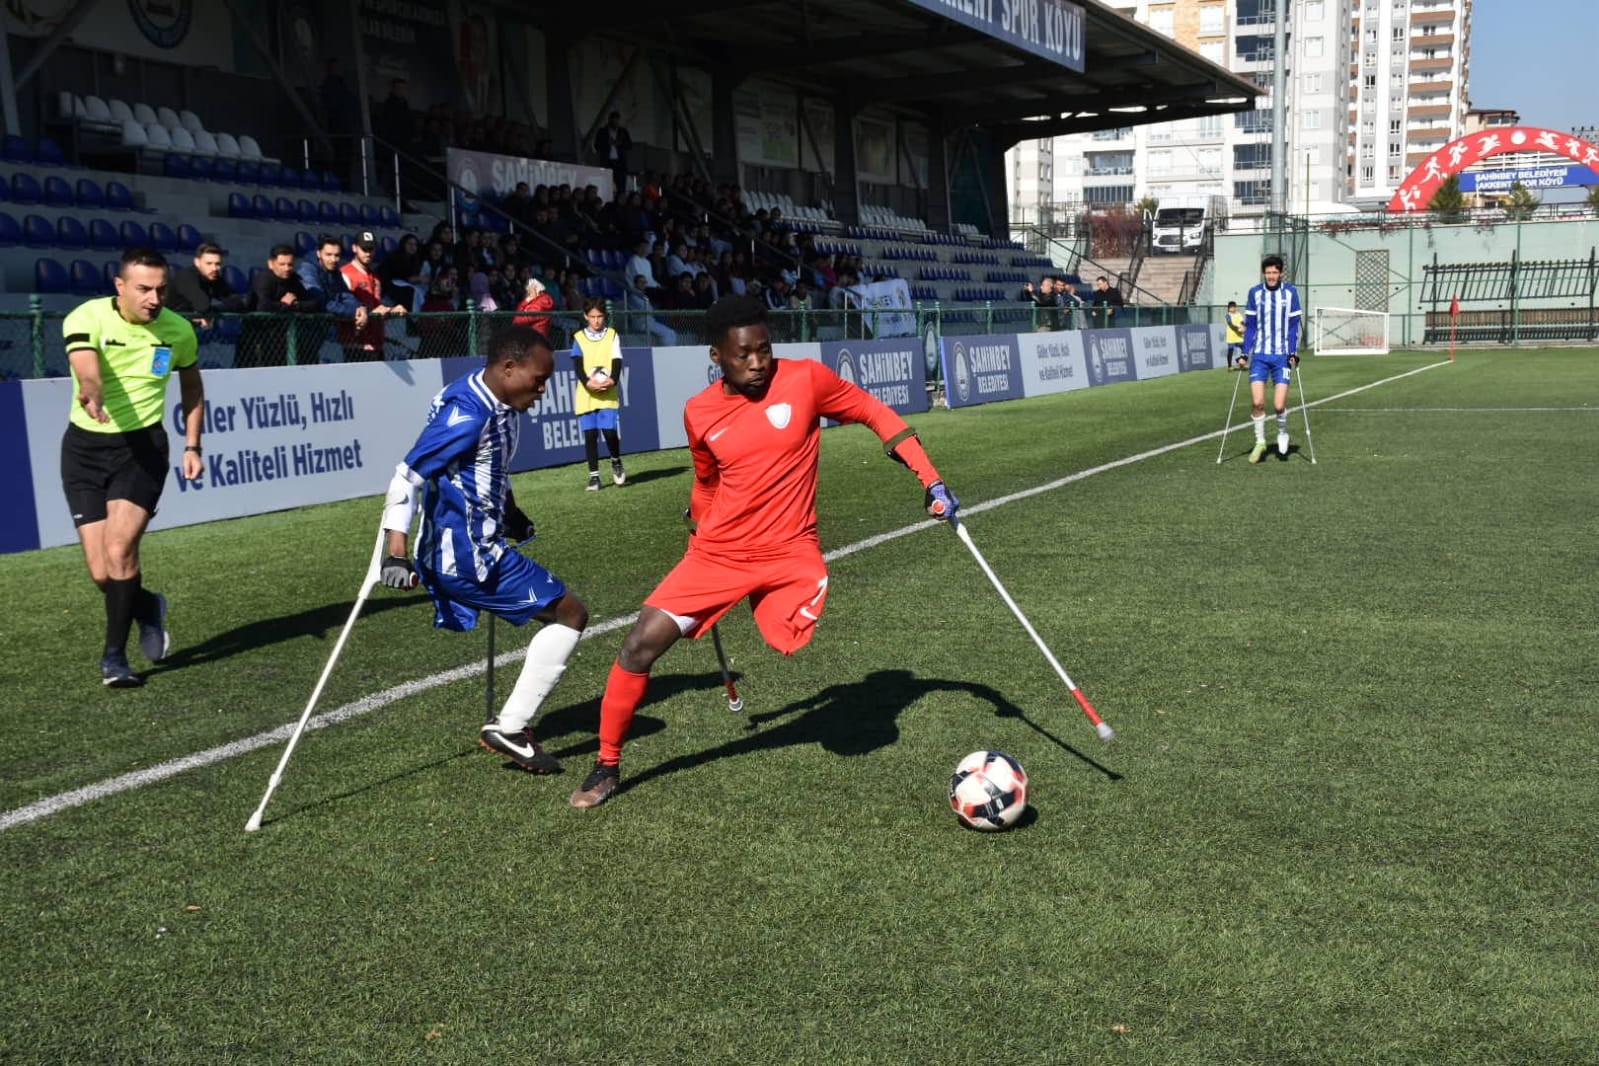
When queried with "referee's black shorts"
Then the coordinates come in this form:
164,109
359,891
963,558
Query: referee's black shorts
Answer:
96,467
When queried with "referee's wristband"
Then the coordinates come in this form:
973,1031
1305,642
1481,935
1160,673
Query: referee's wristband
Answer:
195,448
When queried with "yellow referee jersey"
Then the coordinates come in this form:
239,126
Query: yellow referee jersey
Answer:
135,362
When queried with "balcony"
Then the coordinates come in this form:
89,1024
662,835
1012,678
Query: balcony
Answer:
1432,16
1424,39
1429,111
1435,63
1432,87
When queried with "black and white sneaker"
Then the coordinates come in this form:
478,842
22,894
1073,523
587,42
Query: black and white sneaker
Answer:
154,640
594,482
520,748
116,673
598,786
618,475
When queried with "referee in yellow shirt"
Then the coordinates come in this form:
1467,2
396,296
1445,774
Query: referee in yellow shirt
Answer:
114,456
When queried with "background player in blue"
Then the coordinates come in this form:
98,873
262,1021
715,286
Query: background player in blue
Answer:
465,553
1272,317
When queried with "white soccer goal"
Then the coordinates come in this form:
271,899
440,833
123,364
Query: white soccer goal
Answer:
1343,331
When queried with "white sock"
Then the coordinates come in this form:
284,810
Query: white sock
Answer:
1282,421
1260,428
547,653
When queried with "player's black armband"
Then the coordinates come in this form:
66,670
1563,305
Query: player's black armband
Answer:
75,341
895,441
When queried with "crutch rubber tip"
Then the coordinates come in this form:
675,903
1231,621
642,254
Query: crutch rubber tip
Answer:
736,706
254,823
1106,733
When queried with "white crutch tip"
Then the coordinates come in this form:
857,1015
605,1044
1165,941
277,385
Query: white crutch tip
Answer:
736,706
253,824
1106,733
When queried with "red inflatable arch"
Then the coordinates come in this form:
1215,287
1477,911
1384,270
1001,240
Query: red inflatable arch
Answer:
1457,155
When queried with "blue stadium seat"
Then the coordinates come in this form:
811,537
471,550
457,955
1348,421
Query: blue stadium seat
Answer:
89,194
103,235
348,215
176,166
327,214
49,154
37,232
50,276
261,207
224,171
133,235
613,288
57,193
270,173
304,244
289,178
239,206
369,215
255,272
330,181
235,278
25,188
111,270
201,168
188,238
249,171
85,278
162,236
283,210
15,149
118,197
70,233
386,246
307,212
310,179
389,217
10,230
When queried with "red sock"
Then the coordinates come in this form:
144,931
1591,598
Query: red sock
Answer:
624,691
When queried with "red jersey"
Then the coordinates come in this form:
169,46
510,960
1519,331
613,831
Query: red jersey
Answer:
755,461
369,294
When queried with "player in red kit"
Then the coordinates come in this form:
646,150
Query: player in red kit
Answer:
755,437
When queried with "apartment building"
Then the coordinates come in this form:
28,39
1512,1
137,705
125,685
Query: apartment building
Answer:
1410,69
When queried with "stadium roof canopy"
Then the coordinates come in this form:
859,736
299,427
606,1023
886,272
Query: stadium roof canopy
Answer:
932,57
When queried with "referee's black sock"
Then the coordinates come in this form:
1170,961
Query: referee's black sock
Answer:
122,598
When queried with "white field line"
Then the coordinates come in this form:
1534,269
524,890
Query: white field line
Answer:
77,797
1462,410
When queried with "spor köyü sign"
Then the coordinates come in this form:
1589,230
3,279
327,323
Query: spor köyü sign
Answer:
1553,177
1049,28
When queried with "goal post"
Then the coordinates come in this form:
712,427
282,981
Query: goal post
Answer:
1345,331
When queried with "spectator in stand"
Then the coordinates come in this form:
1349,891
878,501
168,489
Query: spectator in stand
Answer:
278,289
843,297
506,285
1046,301
364,342
470,255
535,300
325,292
640,263
777,295
1104,302
436,262
482,298
678,262
200,290
704,292
401,273
611,145
519,205
802,299
637,298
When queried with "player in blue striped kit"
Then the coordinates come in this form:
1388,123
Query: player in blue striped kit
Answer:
1272,319
466,552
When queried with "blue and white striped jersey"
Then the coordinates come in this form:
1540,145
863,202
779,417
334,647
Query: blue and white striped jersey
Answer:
1272,318
464,456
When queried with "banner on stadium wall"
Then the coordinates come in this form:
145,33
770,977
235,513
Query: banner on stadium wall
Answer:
982,369
488,173
1052,362
1111,358
412,40
1195,347
275,438
1154,351
891,370
888,306
184,32
1049,28
1550,177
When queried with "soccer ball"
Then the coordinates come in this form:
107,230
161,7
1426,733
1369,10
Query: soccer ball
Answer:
988,790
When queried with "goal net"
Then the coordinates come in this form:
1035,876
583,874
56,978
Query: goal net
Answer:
1343,331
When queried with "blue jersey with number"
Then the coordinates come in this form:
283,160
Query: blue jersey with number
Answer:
1272,318
464,456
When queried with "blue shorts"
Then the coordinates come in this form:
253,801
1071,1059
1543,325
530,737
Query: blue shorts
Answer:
1273,368
517,589
604,418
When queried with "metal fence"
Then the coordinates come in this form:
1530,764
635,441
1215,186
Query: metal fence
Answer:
31,341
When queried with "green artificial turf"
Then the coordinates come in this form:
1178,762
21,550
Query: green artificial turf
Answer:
1349,818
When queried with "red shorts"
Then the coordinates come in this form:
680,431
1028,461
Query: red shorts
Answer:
786,593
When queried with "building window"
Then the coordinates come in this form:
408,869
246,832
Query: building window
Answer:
1160,20
1312,83
1314,11
1215,51
1393,171
1393,125
1251,156
1399,33
1368,81
1312,120
1252,192
1366,173
1108,194
1313,47
1211,20
1253,121
1210,127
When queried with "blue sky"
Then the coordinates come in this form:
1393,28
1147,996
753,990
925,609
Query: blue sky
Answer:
1539,57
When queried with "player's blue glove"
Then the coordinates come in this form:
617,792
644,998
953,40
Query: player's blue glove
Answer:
518,526
941,503
398,573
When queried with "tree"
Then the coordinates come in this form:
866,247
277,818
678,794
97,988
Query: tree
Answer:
1593,199
1521,203
1448,204
1147,206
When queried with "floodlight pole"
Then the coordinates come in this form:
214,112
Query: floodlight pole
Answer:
1279,115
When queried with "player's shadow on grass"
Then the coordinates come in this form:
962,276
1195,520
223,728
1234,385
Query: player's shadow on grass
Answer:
324,621
584,718
642,476
856,718
1271,453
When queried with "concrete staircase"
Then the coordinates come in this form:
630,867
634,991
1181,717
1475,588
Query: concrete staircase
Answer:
1162,275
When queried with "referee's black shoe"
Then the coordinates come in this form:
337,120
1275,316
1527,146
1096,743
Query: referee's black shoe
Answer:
116,673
